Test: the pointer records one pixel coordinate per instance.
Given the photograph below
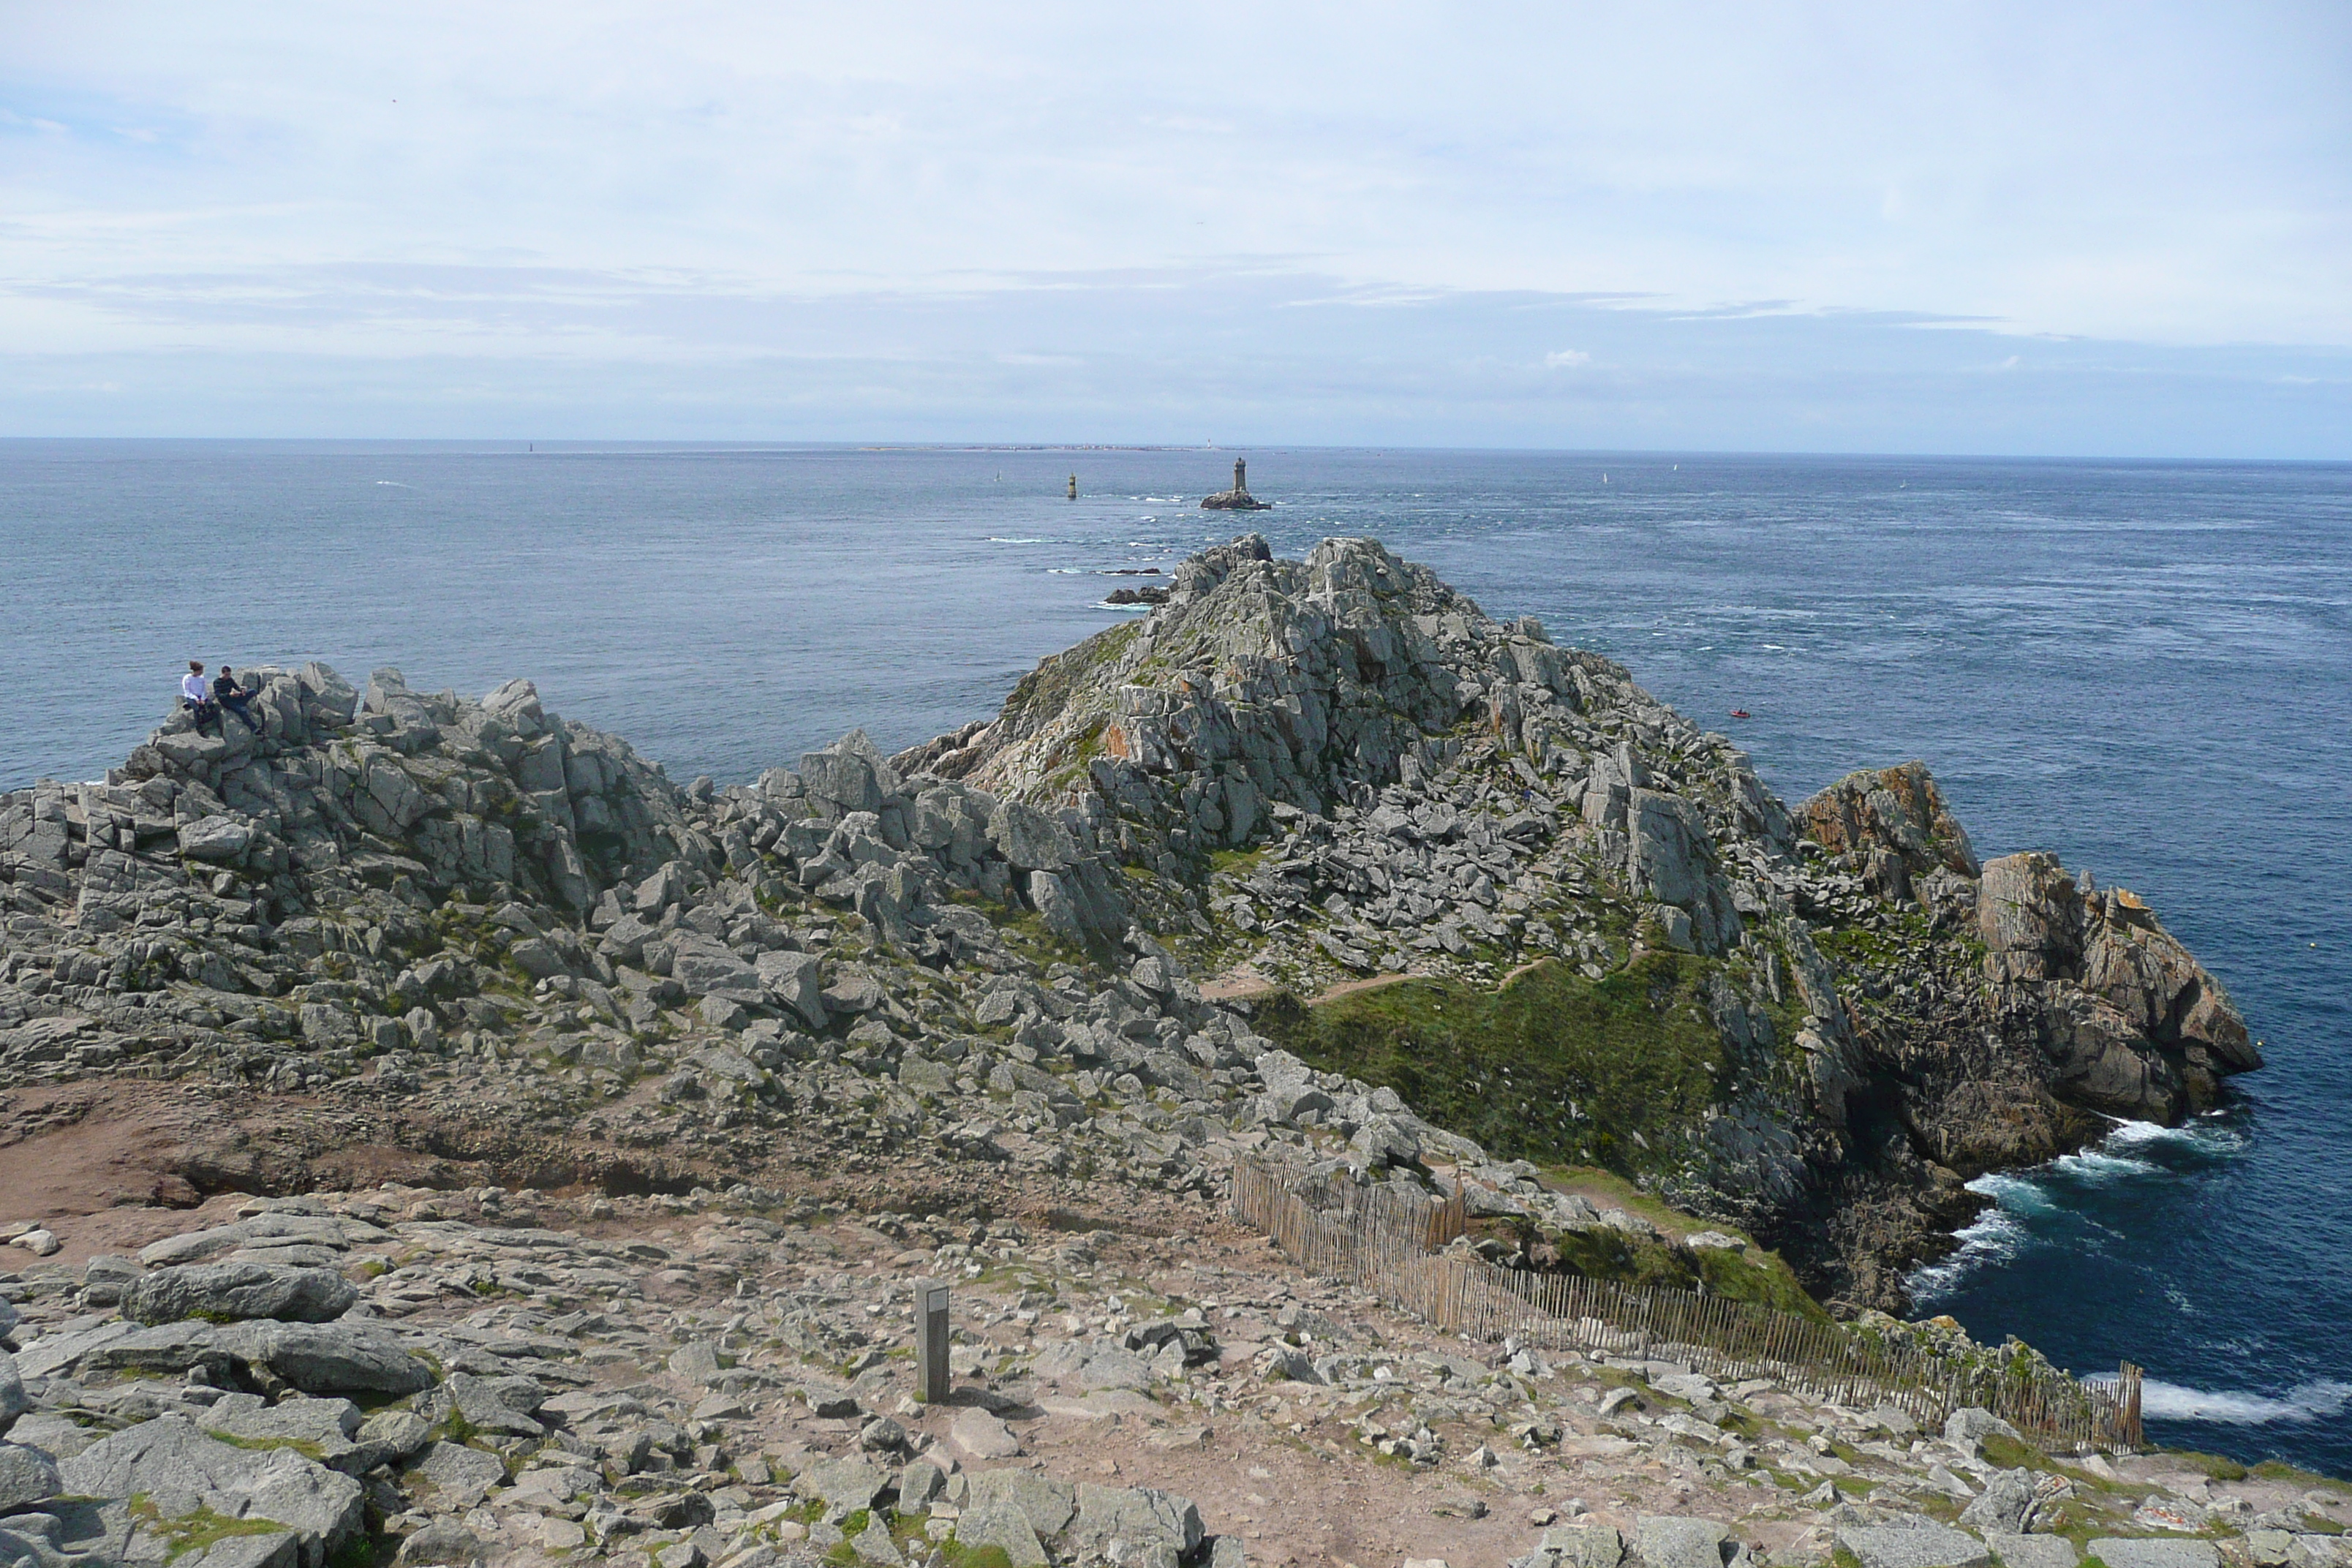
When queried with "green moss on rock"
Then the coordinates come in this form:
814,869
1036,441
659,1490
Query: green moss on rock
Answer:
1635,1053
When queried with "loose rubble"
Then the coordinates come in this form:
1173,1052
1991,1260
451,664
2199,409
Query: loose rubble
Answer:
695,1381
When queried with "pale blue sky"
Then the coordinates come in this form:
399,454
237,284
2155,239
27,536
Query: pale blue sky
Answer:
2087,228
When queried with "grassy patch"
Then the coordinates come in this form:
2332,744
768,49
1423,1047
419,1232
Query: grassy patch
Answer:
1756,1276
954,1553
1236,862
301,1446
2219,1467
195,1532
1635,1052
364,1550
2009,1454
2280,1470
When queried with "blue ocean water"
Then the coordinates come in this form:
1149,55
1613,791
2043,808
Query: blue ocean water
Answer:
2139,666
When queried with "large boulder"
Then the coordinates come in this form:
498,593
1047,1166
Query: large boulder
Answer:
180,1469
1142,1525
229,1291
1029,839
27,1475
14,1400
1918,1542
705,968
2004,1504
848,775
1675,1541
330,1358
843,1485
796,980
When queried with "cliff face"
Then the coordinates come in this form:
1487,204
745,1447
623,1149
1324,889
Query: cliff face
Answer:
1293,778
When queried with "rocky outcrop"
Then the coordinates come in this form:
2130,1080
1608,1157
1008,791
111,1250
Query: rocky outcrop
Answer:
1008,945
1891,825
2132,1023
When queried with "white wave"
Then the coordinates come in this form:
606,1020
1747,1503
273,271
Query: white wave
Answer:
1065,570
1997,1235
2015,1193
2317,1400
2205,1137
994,538
2096,1166
395,484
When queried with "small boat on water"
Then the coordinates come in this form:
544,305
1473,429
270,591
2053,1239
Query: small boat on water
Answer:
1741,713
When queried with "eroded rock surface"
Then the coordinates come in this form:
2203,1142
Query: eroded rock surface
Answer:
400,933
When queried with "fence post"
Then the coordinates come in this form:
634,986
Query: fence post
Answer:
931,1340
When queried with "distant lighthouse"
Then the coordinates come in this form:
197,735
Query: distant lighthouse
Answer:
1238,499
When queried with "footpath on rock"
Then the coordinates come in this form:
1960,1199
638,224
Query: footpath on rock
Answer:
399,967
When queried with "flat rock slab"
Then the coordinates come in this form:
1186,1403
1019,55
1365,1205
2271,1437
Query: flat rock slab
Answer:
459,1473
172,1462
1139,1516
1045,1503
1584,1545
1671,1541
2014,1551
846,1485
1924,1545
1103,1407
1115,1366
977,1435
53,1354
278,1549
324,1428
288,1228
2120,1553
330,1358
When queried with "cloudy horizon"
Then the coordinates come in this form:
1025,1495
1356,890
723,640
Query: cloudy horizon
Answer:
2114,231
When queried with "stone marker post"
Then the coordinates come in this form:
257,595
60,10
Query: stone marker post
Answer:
931,1340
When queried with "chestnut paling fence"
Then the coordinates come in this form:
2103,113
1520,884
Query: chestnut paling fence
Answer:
1390,1240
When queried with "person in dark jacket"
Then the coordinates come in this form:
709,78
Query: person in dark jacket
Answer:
232,698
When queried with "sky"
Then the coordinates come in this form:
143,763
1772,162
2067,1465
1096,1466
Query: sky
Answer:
2109,230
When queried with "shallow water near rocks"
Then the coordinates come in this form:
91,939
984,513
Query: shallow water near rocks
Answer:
2140,666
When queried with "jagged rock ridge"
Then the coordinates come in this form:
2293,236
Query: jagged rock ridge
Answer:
1292,772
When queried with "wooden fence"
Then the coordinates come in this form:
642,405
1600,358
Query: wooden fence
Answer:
1387,1239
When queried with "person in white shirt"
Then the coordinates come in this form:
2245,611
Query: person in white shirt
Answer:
195,696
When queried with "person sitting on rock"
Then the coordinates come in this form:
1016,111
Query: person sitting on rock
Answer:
196,697
234,698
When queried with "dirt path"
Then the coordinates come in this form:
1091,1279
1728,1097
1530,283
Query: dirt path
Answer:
1247,983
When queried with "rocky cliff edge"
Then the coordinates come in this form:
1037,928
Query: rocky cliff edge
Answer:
1318,801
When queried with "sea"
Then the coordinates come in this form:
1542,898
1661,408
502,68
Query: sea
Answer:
2140,666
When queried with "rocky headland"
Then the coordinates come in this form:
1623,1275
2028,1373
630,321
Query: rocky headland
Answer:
1315,860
